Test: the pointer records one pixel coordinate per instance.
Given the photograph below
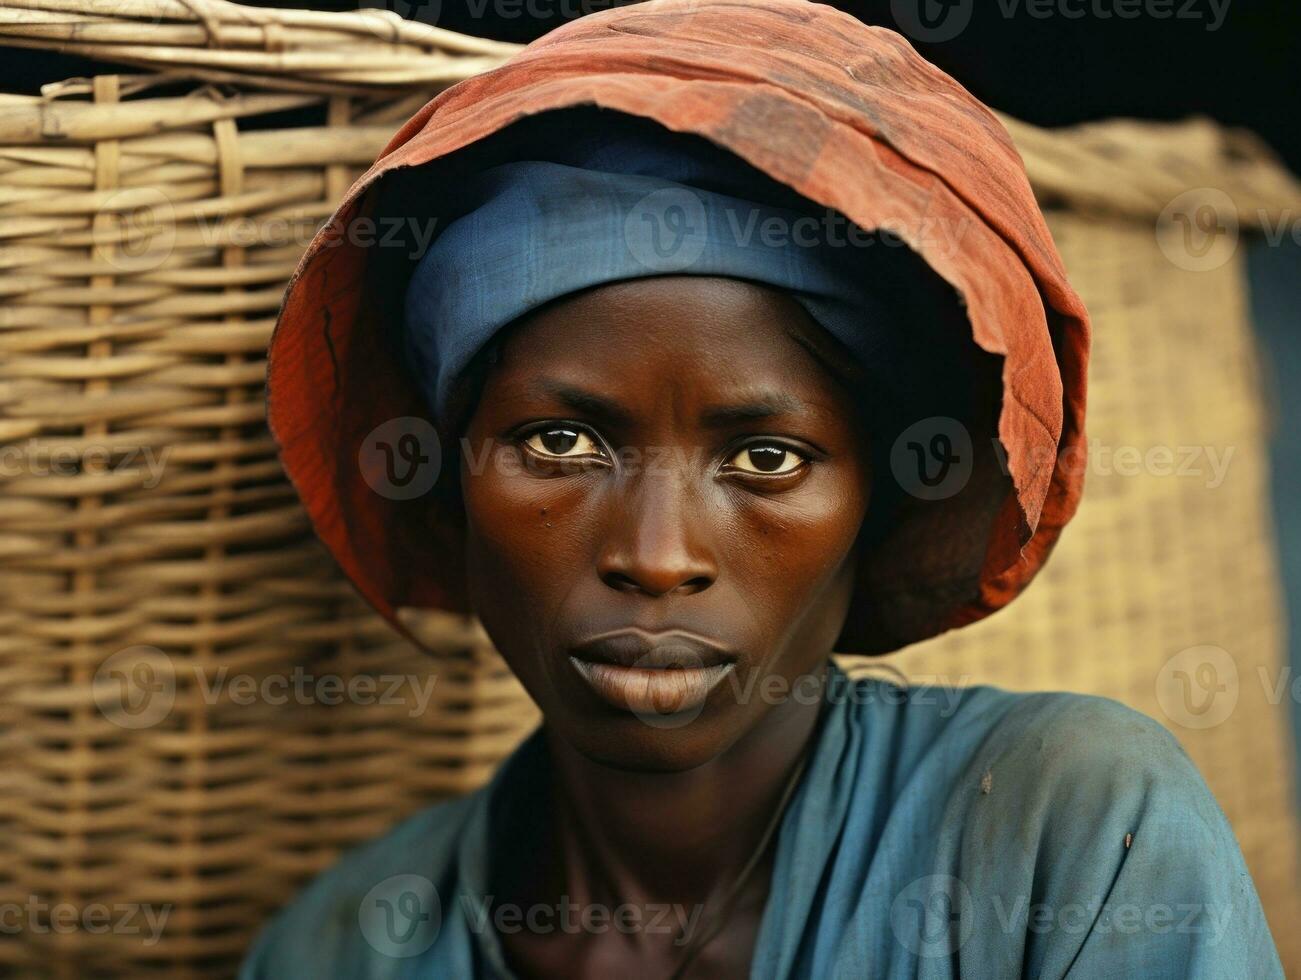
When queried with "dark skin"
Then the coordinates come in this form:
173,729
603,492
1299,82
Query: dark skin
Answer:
602,490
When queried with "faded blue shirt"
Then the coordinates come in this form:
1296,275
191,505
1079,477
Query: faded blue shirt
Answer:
936,833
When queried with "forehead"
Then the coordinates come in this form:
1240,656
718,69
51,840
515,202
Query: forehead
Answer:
715,330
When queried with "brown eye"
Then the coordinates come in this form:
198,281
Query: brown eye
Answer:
562,442
767,458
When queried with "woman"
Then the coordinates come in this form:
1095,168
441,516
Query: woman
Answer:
694,429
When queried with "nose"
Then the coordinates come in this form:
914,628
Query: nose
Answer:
656,542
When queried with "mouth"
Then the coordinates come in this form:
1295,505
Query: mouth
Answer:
652,673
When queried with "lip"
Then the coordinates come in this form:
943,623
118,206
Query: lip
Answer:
652,673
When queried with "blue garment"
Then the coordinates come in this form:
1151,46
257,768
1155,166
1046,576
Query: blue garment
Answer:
635,200
936,833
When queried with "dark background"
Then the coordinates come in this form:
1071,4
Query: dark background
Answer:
1085,60
1056,70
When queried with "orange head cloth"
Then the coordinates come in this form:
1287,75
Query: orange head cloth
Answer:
847,115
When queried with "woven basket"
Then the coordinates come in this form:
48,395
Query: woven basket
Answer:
148,223
1165,586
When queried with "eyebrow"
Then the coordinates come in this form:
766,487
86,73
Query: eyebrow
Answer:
763,406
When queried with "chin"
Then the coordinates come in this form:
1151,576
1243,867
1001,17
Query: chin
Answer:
665,743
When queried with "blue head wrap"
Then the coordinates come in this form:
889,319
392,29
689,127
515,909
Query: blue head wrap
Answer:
622,203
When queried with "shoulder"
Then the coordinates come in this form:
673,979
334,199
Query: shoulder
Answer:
1069,736
1050,766
1075,766
322,926
1040,738
1083,826
1038,777
1078,753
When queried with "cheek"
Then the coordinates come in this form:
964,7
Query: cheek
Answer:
802,541
805,588
518,538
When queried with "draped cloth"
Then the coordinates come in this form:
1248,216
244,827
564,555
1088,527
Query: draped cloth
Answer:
847,116
936,833
625,198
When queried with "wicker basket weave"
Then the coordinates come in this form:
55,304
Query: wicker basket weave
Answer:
147,228
148,223
1168,567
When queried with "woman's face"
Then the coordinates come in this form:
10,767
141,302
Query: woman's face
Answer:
660,455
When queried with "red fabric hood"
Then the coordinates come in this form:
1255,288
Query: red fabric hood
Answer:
848,115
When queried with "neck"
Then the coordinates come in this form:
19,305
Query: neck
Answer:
680,837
